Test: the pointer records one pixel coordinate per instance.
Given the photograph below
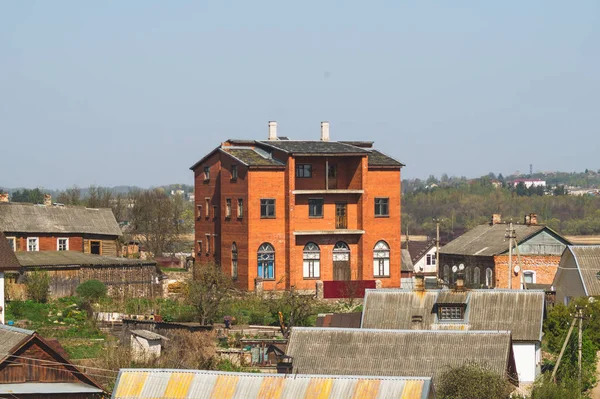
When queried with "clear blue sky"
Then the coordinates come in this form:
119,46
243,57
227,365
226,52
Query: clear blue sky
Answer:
135,92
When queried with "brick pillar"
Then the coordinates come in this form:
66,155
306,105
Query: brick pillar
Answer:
378,284
319,289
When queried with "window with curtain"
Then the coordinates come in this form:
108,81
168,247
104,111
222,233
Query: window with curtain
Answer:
266,261
311,257
381,259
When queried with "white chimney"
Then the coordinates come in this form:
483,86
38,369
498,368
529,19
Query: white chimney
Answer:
272,130
324,131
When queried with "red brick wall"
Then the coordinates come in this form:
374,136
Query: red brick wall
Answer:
207,225
48,242
545,268
382,183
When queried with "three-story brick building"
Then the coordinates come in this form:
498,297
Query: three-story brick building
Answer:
289,213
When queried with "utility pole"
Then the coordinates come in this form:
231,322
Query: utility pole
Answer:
510,234
580,316
562,351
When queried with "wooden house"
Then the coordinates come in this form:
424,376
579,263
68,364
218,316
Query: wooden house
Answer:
35,368
33,228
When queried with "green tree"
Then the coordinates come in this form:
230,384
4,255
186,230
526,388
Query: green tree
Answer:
35,196
91,290
37,285
472,381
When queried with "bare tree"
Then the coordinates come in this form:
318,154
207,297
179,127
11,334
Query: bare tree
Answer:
99,197
294,309
71,196
208,292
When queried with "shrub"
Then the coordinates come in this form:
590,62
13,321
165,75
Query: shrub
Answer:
566,388
37,286
91,290
472,381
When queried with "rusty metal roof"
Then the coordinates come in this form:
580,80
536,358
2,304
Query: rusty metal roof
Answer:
200,384
488,239
587,259
518,311
30,218
346,351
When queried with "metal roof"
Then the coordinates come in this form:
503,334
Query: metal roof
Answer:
8,260
518,311
488,239
149,335
587,259
30,218
32,388
74,258
407,263
315,147
200,384
10,337
346,351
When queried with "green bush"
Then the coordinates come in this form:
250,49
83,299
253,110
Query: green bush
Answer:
472,381
91,290
566,388
37,286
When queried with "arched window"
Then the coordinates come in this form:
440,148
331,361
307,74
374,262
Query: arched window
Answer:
381,259
476,277
311,261
489,276
468,276
266,261
234,260
447,274
341,262
341,252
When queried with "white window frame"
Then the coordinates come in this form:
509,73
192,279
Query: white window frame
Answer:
228,207
240,208
533,275
381,259
58,243
12,240
37,244
431,259
311,261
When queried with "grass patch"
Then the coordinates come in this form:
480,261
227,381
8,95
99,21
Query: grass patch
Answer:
83,349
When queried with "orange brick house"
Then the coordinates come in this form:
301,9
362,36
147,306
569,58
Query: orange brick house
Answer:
289,213
484,250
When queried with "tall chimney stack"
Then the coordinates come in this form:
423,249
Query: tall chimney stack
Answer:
533,219
324,131
272,130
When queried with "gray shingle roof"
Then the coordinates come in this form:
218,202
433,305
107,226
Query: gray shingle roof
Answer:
488,240
418,249
346,351
251,157
587,258
29,218
314,147
518,311
8,260
10,337
377,158
73,258
407,264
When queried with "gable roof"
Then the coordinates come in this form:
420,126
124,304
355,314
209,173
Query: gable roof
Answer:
378,158
30,218
12,339
518,311
418,249
489,239
74,258
188,384
587,259
347,351
8,259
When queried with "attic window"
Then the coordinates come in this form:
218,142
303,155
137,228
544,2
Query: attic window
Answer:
446,312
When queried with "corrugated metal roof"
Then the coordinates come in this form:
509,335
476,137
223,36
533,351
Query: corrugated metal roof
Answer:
518,311
488,240
10,337
8,260
587,258
47,388
407,264
200,384
149,335
340,351
29,218
72,258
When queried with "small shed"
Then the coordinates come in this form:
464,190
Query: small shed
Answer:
578,273
146,345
